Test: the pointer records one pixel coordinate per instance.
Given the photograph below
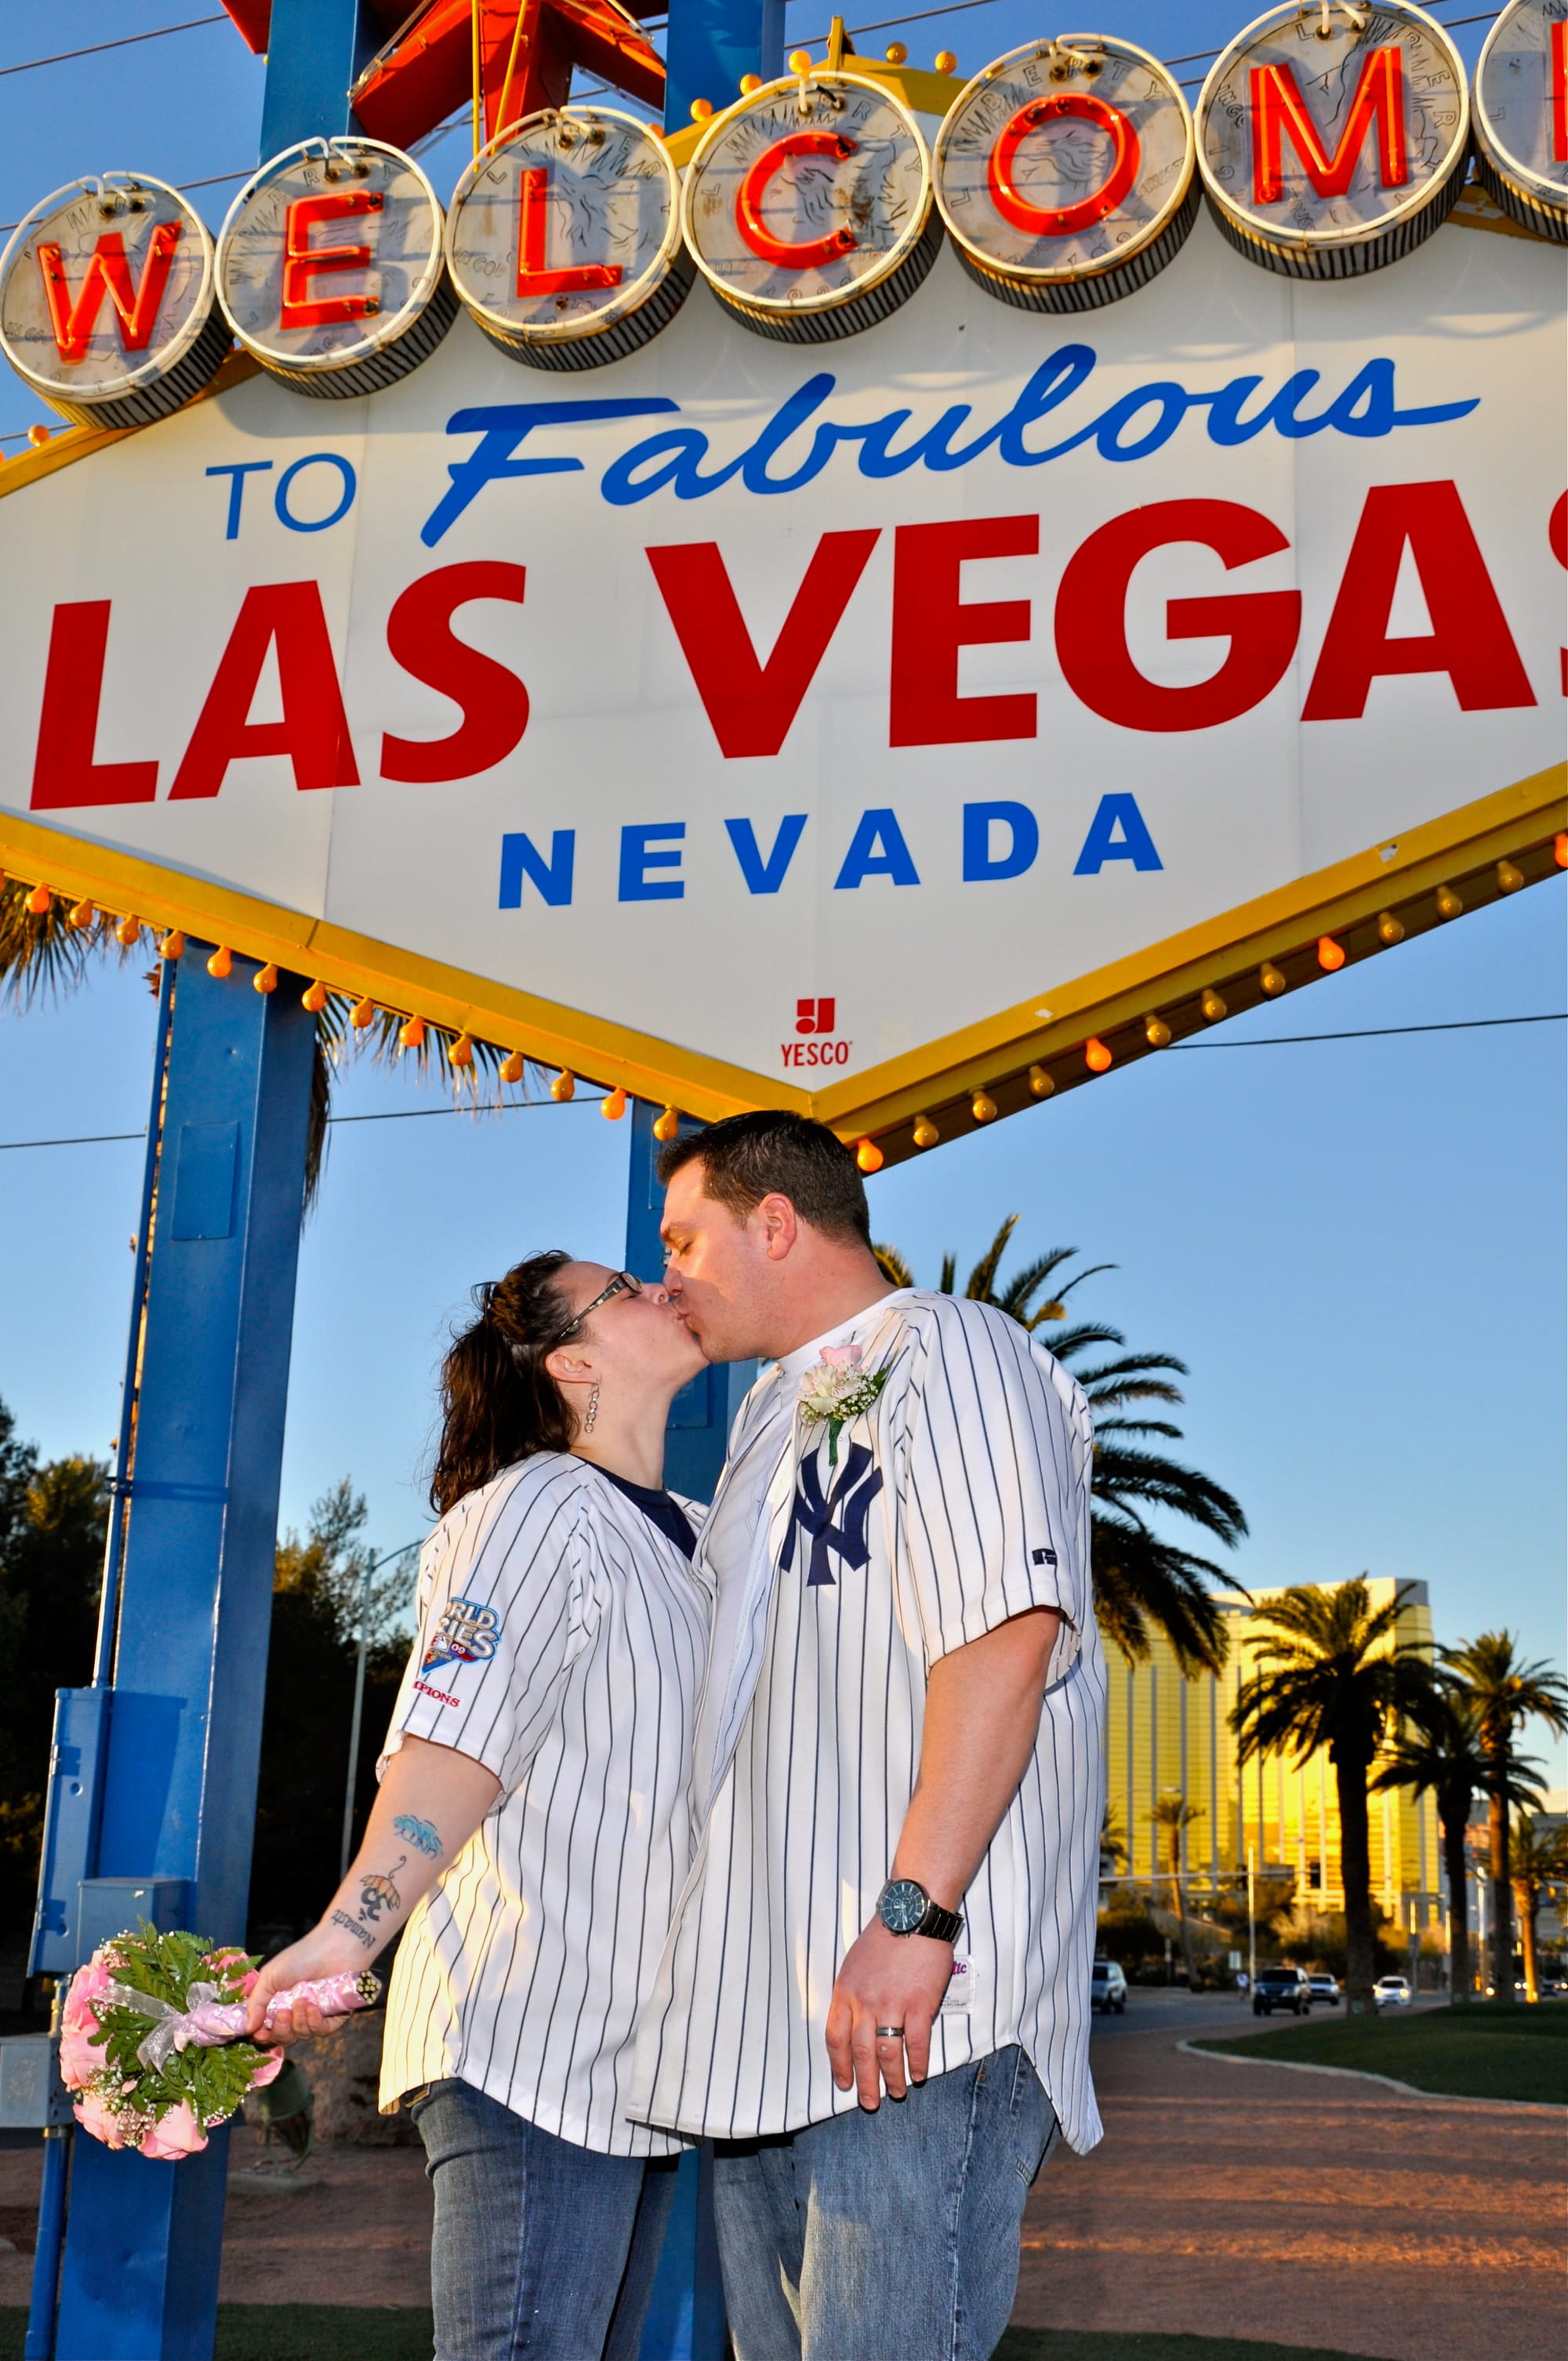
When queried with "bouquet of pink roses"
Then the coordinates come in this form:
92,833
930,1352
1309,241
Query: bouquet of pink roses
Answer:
152,2039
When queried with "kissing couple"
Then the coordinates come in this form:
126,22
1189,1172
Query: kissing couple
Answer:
772,1823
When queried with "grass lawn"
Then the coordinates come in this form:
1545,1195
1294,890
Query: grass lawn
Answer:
312,2331
1483,2052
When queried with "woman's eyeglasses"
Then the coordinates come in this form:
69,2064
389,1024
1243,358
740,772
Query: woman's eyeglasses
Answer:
622,1283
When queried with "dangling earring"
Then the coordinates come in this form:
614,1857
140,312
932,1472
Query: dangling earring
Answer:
593,1411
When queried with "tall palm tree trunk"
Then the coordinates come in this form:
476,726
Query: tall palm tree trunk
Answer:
1355,1873
1178,1900
1455,1816
1528,1897
1502,1888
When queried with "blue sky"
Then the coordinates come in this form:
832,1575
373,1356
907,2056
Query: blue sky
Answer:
1358,1247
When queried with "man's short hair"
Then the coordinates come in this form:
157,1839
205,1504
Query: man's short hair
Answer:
748,1157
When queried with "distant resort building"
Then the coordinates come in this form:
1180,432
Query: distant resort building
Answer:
1171,1736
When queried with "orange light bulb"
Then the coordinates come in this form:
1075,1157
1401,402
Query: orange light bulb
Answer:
1213,1007
1389,931
982,1107
39,901
1331,955
265,978
1272,981
1559,850
314,997
512,1070
461,1052
614,1106
1096,1056
946,62
562,1088
869,1156
221,962
1509,879
411,1035
172,946
666,1127
924,1133
1449,905
1040,1082
83,914
1157,1033
127,931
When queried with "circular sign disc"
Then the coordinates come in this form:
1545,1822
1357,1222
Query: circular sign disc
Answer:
329,266
1064,173
106,300
1331,139
1521,114
808,208
564,239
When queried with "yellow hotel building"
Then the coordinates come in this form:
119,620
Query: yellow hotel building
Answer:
1166,1735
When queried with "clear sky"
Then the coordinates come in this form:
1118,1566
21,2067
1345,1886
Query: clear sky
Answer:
1359,1245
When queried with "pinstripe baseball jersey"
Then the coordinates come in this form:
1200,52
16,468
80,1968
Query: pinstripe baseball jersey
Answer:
958,1500
561,1642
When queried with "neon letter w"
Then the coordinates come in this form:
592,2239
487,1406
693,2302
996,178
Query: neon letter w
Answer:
1278,107
108,273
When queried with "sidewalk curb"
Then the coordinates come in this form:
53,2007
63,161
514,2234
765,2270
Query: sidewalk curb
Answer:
1357,2074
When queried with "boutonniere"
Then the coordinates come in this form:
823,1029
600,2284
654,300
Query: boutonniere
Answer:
836,1390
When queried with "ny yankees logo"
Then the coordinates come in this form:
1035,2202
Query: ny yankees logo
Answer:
850,1500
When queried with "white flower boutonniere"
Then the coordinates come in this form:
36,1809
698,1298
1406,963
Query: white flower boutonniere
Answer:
836,1390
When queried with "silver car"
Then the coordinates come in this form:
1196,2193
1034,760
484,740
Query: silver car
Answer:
1108,1988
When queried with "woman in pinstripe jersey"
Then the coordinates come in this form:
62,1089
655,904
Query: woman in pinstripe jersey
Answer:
534,1825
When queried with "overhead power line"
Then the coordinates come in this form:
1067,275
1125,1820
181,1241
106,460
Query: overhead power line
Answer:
124,42
533,1106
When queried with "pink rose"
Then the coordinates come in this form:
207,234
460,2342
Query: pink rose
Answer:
841,1356
88,1984
94,2116
79,2057
174,2135
272,2066
223,1964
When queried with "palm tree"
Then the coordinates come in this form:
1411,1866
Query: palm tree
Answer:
46,953
1173,1814
1334,1674
1439,1751
1141,1580
1502,1692
1537,1859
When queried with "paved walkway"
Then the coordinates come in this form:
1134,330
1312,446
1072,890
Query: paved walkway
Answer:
1224,2201
1240,2201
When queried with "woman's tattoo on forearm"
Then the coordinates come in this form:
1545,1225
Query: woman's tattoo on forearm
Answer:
377,1893
420,1834
342,1918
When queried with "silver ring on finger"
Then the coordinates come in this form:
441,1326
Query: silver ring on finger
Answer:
890,2033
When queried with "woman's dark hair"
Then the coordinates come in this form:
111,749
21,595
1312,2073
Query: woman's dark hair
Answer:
498,1402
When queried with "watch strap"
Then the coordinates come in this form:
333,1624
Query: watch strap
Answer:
946,1926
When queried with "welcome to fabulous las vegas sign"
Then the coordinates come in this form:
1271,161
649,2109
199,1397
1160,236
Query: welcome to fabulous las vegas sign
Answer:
891,602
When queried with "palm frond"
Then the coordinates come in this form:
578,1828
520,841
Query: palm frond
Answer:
44,955
893,1266
982,1278
1086,1332
1157,1482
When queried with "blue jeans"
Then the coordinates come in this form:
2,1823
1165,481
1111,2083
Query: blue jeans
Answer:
539,2248
891,2237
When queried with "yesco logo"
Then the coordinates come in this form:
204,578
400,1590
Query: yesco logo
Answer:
818,1018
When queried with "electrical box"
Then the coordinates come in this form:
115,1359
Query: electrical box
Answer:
107,1906
31,2093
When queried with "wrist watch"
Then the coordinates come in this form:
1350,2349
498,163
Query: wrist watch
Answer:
906,1908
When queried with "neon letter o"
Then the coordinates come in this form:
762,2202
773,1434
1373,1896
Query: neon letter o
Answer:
1062,220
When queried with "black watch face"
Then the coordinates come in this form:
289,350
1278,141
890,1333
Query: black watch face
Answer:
903,1906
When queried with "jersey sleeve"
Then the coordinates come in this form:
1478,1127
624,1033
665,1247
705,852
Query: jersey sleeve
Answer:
501,1618
995,1479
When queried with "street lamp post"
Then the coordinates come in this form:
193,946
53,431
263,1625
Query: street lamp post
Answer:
1251,1922
374,1568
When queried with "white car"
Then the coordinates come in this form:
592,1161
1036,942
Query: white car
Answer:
1392,1992
1108,1989
1326,1989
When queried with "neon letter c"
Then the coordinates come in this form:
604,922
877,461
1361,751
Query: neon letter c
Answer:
1062,220
790,254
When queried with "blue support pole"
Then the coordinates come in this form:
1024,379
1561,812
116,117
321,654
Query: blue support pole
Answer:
710,44
685,2311
140,2275
314,53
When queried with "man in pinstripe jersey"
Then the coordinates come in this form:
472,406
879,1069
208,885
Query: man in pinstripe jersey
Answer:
875,1995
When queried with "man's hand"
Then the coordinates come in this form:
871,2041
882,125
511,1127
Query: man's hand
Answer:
886,1980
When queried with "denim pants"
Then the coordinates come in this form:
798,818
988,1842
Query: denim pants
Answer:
539,2248
885,2236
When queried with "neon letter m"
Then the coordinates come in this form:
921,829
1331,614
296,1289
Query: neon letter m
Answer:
1278,107
108,273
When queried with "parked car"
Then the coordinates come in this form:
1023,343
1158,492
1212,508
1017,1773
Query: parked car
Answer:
1392,1992
1282,1988
1326,1989
1108,1988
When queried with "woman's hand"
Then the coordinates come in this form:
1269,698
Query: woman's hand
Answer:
326,1950
432,1799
